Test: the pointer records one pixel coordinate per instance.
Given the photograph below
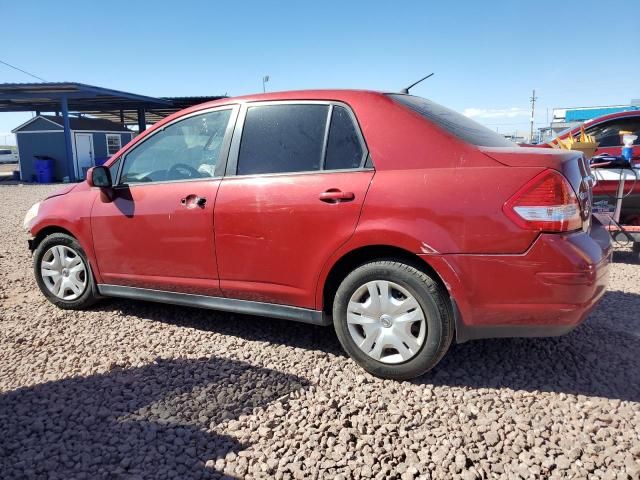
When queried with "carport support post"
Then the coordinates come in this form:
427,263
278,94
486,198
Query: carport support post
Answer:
142,123
64,104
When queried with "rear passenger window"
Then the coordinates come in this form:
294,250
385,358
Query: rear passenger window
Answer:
282,138
344,149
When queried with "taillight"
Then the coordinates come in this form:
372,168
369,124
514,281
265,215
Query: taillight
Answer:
546,203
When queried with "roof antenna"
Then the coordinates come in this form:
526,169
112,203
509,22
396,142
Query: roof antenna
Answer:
406,90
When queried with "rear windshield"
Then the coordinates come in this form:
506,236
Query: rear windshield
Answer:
462,127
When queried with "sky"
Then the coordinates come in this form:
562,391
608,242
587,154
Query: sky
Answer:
487,55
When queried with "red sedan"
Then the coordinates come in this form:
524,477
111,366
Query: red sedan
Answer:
401,223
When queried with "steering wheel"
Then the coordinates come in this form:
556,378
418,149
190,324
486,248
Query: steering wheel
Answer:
182,170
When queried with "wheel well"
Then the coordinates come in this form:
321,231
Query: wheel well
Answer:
360,256
45,232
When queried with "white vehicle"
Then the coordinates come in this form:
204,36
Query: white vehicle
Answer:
8,156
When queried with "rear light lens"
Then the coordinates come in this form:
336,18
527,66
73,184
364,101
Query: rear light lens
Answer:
547,203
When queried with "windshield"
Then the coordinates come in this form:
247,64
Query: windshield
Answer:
455,123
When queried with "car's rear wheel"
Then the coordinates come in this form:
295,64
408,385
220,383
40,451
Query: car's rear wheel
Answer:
393,319
63,272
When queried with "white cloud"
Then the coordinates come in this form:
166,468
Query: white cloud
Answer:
480,113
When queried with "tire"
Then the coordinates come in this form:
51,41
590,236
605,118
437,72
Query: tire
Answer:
56,246
406,286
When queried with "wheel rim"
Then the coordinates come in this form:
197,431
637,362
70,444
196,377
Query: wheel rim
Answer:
63,272
386,322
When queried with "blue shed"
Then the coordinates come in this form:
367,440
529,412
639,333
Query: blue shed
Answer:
93,141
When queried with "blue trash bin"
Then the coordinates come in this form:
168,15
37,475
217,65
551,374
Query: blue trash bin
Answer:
44,167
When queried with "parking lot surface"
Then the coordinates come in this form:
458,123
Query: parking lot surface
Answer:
140,390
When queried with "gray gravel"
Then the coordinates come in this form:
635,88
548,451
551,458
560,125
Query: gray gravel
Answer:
138,390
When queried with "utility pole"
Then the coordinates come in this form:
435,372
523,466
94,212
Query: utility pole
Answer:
533,111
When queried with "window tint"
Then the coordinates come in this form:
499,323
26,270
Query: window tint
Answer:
344,149
462,127
185,150
282,138
608,133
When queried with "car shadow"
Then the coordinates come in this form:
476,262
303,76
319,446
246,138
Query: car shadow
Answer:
249,327
625,255
149,422
599,358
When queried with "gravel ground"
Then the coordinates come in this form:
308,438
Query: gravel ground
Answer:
140,390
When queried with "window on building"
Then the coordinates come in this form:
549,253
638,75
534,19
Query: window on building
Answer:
184,150
114,143
282,138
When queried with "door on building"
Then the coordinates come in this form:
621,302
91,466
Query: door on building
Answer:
84,153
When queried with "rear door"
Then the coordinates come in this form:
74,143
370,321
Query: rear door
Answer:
295,184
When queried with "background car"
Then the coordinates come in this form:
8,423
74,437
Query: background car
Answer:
606,130
8,156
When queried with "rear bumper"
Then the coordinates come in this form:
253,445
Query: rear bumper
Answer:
546,291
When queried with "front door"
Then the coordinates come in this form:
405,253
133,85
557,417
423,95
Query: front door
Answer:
293,195
84,153
157,230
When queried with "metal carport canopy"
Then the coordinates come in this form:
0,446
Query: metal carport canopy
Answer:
127,108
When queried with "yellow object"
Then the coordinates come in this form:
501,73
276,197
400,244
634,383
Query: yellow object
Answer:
583,143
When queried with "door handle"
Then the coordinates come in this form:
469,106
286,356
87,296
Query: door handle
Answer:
192,201
334,195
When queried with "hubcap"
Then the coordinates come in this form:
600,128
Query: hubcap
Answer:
63,272
386,322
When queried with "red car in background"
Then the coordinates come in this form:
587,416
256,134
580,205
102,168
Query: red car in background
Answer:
606,130
379,214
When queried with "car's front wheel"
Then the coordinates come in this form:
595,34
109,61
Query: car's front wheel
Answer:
393,319
63,272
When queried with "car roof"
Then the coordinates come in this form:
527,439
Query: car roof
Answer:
324,94
342,95
611,116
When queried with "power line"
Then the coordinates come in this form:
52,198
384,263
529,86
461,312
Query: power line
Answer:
23,71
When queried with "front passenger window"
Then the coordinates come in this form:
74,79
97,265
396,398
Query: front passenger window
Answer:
185,150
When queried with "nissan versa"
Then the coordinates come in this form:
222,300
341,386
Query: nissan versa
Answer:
400,222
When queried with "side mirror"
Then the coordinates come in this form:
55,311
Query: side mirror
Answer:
99,177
